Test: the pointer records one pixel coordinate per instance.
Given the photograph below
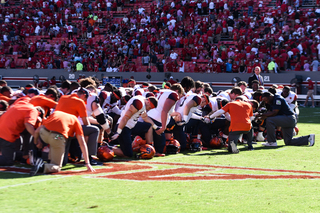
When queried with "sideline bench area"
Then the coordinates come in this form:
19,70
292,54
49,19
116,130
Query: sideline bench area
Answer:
302,98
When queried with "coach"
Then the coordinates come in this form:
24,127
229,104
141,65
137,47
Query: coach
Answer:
282,116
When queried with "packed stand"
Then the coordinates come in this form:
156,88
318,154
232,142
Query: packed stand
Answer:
181,36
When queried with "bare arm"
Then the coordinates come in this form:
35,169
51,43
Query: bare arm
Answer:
164,114
84,149
132,110
187,108
30,128
36,138
85,120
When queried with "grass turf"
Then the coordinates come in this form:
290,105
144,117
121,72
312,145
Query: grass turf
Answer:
57,193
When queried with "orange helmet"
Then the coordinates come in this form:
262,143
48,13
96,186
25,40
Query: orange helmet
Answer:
195,145
146,152
216,142
137,143
172,146
105,154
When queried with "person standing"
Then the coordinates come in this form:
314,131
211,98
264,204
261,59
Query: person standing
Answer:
256,76
310,93
315,64
282,116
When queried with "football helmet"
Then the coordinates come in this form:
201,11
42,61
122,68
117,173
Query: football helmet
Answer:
104,153
216,142
195,145
172,146
137,143
146,152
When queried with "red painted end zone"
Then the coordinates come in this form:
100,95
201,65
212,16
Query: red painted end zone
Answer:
148,171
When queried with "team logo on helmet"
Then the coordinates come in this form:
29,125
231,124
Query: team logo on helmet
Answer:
146,152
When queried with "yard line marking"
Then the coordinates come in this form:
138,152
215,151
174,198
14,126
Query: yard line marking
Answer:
32,182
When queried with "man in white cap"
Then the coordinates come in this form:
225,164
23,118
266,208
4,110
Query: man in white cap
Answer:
310,92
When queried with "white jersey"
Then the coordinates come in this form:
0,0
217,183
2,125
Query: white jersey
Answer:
108,107
214,103
291,100
181,104
92,98
138,92
224,95
139,103
291,97
248,93
162,96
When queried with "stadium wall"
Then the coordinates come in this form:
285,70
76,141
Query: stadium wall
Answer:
21,77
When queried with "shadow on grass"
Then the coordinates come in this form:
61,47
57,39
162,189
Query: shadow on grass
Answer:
225,152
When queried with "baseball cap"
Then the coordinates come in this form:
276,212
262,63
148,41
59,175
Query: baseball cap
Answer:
34,91
308,78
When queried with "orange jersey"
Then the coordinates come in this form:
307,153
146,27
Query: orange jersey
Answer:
73,105
63,123
44,102
12,122
240,113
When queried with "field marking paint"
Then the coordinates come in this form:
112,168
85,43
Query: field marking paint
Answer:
149,171
32,182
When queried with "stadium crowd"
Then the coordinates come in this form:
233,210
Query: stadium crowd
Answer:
178,36
82,120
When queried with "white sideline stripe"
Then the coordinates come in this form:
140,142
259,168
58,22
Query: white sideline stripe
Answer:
32,182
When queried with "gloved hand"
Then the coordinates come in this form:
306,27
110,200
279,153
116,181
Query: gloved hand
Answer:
115,136
207,120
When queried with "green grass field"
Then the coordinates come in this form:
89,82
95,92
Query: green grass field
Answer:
84,193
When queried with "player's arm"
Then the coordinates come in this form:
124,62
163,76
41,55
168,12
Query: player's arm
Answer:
217,113
164,114
129,113
187,108
100,117
145,118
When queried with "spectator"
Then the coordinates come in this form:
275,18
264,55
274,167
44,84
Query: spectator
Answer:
79,66
271,66
315,64
310,93
159,65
